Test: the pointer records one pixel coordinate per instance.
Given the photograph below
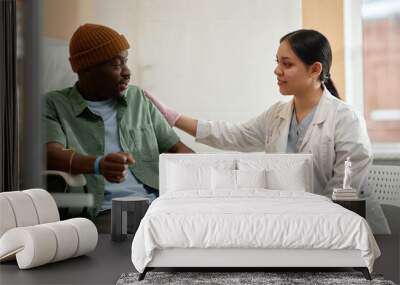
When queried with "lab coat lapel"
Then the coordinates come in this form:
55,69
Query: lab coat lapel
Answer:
319,117
285,115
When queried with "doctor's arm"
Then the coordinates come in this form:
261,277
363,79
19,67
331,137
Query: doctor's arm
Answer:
351,141
246,137
174,118
187,124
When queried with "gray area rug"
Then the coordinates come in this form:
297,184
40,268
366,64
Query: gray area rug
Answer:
231,278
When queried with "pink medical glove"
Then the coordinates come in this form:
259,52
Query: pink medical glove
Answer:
170,115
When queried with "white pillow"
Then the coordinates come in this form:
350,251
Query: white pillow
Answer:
251,178
280,174
291,180
237,179
188,177
223,179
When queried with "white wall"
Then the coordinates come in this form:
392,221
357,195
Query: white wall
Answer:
211,59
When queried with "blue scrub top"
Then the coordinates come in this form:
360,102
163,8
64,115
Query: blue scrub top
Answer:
298,131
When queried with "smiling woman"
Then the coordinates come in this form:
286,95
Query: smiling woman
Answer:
313,50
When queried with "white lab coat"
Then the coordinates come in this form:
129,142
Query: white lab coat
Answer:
336,132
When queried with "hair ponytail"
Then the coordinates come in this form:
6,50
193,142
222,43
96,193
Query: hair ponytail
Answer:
332,88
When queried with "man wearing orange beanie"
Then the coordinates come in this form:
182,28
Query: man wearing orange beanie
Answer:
102,126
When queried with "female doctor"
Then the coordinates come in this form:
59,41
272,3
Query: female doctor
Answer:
315,121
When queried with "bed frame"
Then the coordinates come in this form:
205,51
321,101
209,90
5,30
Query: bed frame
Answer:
246,259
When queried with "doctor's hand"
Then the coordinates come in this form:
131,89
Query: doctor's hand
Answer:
114,166
170,115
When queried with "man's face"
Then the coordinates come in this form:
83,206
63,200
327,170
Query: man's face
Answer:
110,79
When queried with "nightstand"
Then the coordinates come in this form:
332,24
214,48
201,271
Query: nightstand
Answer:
356,205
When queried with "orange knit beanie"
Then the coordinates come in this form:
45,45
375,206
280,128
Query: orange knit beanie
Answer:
92,44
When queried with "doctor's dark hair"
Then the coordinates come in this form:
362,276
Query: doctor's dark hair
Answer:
311,46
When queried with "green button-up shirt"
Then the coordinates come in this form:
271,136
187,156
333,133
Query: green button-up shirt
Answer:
143,132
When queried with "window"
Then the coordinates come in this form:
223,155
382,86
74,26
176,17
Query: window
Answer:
381,69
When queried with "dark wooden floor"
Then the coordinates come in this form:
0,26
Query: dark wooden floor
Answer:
110,259
102,266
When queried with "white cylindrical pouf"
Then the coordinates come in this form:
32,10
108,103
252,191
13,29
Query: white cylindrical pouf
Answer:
23,207
31,232
67,239
34,246
45,205
7,217
87,234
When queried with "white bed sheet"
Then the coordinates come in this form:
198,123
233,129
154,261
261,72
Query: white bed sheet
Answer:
251,218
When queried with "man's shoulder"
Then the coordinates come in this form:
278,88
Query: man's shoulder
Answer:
135,95
133,89
58,95
59,100
134,92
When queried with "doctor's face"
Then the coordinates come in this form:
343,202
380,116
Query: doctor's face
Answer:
292,74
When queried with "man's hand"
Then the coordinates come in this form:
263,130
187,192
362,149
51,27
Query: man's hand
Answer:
114,166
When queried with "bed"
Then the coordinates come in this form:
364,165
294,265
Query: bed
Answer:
246,211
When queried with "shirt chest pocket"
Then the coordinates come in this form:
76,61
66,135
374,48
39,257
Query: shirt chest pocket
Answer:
145,143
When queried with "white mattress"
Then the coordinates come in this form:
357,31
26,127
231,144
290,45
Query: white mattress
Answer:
251,218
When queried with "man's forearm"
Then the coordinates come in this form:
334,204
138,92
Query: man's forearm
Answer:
68,160
180,148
